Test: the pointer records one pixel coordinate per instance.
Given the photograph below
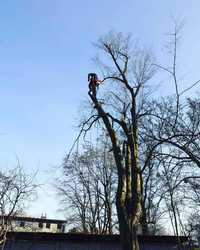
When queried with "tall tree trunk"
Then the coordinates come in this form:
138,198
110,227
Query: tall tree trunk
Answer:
128,230
128,202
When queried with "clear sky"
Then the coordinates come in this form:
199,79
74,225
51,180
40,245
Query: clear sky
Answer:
45,55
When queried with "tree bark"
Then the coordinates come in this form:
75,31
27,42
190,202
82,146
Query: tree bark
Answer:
128,229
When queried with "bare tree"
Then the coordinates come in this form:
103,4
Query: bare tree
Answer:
192,228
171,177
16,188
87,188
140,127
120,115
152,199
173,127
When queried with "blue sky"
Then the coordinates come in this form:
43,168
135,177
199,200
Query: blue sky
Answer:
45,55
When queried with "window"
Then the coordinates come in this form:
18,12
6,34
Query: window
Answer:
40,225
22,224
48,225
59,226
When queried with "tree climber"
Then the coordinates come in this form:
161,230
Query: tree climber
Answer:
93,83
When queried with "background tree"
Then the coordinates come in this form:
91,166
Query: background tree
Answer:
87,189
16,189
152,199
172,127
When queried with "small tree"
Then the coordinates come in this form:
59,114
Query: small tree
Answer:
16,188
87,189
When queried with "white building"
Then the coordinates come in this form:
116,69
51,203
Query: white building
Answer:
32,224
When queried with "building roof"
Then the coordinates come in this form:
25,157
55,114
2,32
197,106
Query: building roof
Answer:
34,219
40,236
